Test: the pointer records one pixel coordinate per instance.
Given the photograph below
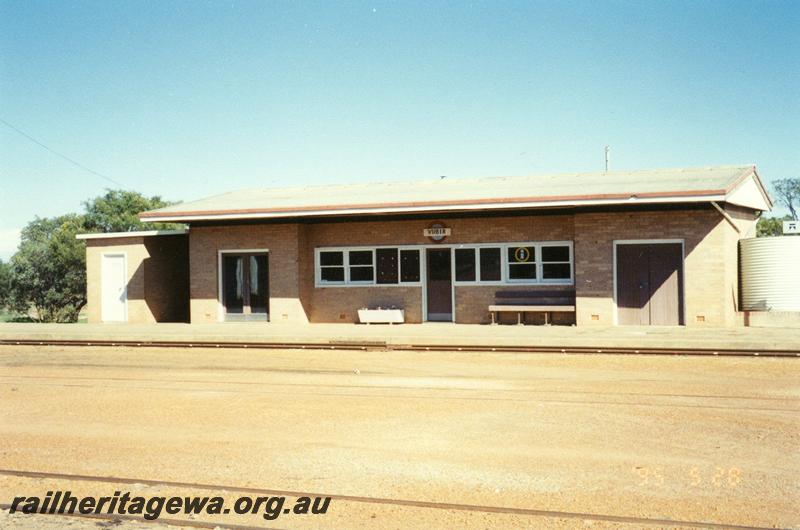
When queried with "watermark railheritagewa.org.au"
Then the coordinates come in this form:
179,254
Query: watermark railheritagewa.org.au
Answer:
151,508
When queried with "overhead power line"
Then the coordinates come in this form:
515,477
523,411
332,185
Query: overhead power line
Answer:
65,157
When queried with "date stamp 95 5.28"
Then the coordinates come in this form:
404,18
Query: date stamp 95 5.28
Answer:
694,477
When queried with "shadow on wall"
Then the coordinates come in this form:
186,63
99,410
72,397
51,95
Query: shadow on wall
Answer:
162,279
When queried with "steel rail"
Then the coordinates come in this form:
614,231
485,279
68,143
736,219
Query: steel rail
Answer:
385,501
385,346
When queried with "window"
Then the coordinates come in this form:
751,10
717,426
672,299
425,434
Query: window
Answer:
465,264
556,262
524,263
490,264
397,265
521,263
387,265
361,266
409,265
331,265
368,266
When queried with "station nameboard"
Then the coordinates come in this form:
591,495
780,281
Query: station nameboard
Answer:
436,232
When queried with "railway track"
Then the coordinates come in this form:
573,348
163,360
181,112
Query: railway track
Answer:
531,512
185,523
385,346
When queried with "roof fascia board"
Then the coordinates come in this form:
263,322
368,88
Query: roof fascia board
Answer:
142,233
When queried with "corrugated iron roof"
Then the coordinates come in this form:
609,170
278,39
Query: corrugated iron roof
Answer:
567,189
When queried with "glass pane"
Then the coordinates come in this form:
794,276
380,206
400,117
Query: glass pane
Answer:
438,265
387,265
361,257
409,265
233,283
332,274
259,281
331,258
465,264
361,274
556,271
490,264
555,254
522,271
521,254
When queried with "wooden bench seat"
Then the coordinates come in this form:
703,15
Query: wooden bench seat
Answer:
521,302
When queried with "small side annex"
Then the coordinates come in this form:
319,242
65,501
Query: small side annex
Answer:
137,276
656,247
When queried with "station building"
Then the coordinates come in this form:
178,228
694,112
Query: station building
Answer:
652,247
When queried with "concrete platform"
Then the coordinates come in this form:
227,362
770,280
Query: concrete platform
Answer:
430,334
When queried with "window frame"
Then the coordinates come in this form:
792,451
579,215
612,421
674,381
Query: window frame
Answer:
480,271
504,264
475,264
320,283
535,262
348,267
319,266
420,265
542,263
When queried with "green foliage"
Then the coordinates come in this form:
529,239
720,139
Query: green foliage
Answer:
5,283
117,210
770,226
49,269
788,192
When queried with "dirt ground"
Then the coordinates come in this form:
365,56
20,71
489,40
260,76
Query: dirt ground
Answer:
515,440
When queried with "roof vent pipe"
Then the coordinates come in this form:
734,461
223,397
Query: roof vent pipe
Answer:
608,156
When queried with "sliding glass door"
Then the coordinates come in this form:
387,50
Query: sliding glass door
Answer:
245,286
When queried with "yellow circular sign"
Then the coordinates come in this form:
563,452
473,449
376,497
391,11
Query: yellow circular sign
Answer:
522,254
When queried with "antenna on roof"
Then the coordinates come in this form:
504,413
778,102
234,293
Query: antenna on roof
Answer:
608,156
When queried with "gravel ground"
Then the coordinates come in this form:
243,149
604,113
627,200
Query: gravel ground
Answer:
596,441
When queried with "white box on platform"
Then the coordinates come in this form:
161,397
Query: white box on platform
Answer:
381,316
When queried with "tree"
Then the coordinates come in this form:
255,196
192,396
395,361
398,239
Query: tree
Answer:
49,269
788,192
5,283
48,272
770,226
117,210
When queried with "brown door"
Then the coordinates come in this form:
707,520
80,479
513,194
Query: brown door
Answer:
440,285
650,284
633,285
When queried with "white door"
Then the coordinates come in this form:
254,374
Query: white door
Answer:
114,292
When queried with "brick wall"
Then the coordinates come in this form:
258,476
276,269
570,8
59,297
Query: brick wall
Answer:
709,261
282,241
166,277
709,269
339,304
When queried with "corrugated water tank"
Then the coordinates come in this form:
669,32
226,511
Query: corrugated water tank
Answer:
769,273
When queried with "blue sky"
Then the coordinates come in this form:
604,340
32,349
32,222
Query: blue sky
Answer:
187,99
